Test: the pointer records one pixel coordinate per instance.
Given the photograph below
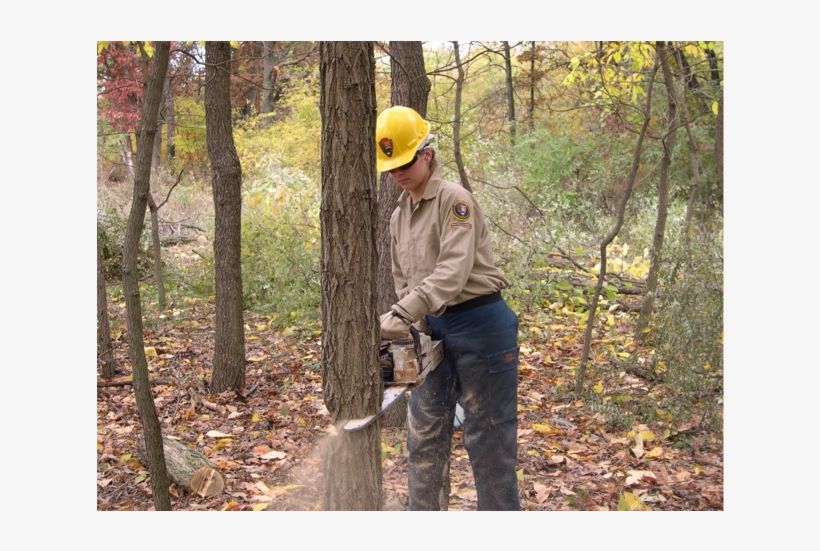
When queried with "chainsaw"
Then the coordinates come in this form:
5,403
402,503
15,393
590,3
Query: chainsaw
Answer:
405,363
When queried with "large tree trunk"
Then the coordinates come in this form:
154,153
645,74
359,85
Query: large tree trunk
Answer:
462,173
613,232
409,86
668,143
130,284
104,355
226,179
510,96
351,377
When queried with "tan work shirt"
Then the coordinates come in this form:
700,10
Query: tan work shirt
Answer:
441,251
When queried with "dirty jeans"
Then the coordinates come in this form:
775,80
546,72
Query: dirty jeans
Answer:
479,370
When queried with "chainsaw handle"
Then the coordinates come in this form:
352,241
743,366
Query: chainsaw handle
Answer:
416,343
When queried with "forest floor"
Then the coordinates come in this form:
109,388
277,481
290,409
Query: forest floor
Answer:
570,457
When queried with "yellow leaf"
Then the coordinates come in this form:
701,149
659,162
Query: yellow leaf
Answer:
293,314
599,387
260,506
657,451
535,330
229,504
647,435
628,502
235,44
610,319
715,107
255,418
545,429
101,45
150,351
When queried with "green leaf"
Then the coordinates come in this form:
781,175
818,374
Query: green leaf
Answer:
579,250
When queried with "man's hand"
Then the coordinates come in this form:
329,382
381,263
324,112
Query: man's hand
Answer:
393,327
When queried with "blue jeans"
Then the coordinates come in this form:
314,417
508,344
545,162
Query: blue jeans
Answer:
479,370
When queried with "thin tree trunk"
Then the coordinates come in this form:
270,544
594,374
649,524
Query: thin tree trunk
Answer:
668,143
130,283
462,173
510,96
718,157
532,88
409,86
104,354
159,281
170,121
226,179
351,377
613,232
127,155
693,146
268,77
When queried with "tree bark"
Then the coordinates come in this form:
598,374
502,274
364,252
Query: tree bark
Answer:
462,173
718,157
532,88
351,376
130,284
226,180
409,86
104,354
668,143
510,96
613,232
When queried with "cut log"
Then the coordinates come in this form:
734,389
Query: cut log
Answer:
188,467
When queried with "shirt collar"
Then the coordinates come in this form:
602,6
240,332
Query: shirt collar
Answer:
430,190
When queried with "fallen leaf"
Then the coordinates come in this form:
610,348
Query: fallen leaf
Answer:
545,429
639,476
273,455
654,452
217,434
638,449
542,492
150,351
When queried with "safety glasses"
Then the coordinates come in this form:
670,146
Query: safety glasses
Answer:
406,166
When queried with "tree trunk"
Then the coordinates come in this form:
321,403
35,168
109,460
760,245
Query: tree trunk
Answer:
693,146
668,143
409,86
268,78
170,121
104,354
159,281
532,88
718,157
462,173
510,96
351,376
130,284
226,179
188,468
127,155
613,232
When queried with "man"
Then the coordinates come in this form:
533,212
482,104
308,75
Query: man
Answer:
445,277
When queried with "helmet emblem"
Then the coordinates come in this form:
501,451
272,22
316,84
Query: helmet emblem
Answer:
386,144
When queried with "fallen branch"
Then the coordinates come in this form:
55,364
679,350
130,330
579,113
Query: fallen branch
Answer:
246,394
157,381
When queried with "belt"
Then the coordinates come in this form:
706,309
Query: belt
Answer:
468,305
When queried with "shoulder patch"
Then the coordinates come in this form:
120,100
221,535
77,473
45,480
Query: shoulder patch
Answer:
460,210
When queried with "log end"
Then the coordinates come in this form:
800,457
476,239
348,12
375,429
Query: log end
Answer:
207,481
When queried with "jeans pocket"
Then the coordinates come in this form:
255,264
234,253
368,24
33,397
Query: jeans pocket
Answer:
504,385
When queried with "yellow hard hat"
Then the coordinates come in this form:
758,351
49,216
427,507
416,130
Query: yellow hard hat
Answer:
400,132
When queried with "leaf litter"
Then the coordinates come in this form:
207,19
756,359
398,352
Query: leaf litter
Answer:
268,444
